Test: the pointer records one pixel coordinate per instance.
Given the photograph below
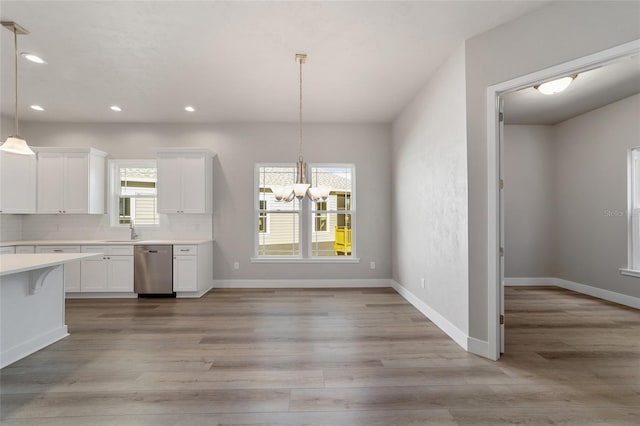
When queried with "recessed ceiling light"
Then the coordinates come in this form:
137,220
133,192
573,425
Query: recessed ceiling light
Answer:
33,58
189,108
37,107
555,86
115,108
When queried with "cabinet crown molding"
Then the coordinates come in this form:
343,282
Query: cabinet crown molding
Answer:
185,150
91,151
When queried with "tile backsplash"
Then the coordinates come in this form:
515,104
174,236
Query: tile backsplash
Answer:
97,227
10,227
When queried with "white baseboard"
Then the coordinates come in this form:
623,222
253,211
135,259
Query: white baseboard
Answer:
320,283
534,281
478,347
600,293
192,294
27,348
458,336
101,295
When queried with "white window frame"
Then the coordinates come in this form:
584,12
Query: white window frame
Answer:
114,191
351,211
256,200
306,222
633,214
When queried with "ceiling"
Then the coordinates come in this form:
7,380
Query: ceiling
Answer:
590,90
233,61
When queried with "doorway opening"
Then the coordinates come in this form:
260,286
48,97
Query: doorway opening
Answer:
495,173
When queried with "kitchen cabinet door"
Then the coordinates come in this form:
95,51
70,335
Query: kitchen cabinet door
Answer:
94,274
76,183
185,181
17,183
50,182
169,185
194,179
70,180
72,277
120,273
185,273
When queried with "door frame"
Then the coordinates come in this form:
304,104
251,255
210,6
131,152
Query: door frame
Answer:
494,92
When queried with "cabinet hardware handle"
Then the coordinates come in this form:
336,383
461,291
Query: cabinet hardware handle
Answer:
57,251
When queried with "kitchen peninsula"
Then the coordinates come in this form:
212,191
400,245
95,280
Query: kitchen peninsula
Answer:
32,302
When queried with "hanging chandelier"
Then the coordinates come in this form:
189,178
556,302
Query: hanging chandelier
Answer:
301,187
15,144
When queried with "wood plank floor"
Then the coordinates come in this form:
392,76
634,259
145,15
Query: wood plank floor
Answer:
327,357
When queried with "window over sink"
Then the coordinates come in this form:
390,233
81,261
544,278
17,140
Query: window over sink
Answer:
133,193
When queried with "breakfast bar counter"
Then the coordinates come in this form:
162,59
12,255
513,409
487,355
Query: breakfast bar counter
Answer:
32,302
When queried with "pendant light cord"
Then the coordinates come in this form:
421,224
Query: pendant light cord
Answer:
300,148
15,69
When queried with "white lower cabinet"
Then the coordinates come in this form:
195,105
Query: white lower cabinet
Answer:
25,249
71,270
7,250
185,268
112,272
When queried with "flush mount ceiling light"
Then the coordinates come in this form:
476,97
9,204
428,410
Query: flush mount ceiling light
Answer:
15,144
37,107
189,109
33,58
301,186
115,108
555,86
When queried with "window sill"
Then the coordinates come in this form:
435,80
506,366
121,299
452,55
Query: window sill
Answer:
629,272
304,260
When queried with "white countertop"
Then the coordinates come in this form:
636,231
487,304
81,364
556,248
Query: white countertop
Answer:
99,242
14,263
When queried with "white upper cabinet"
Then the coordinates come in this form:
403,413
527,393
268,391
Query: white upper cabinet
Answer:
17,183
71,180
185,181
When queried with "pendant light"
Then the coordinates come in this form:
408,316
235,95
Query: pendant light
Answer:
15,144
301,186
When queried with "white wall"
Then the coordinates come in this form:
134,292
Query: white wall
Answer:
238,148
549,36
529,170
591,195
429,194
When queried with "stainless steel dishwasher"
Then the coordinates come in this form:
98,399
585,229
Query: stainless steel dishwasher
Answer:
153,270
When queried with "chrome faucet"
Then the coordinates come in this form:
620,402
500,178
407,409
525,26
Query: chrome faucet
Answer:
134,235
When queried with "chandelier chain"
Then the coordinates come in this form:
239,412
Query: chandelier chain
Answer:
300,111
15,71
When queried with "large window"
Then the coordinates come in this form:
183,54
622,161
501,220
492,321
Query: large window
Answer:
133,194
278,222
634,209
332,234
305,229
